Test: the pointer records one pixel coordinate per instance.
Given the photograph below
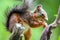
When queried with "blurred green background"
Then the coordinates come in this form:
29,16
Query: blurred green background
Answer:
51,7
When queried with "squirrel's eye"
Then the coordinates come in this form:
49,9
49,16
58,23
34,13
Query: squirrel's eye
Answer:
42,14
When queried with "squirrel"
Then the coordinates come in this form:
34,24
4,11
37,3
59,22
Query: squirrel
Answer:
22,15
39,16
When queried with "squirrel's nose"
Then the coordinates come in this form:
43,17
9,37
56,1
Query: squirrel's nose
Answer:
45,16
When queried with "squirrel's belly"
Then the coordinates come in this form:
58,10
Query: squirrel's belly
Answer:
26,26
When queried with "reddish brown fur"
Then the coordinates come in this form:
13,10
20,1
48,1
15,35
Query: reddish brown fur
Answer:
34,23
22,15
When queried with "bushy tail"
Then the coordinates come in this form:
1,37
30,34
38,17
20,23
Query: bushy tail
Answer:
28,3
18,10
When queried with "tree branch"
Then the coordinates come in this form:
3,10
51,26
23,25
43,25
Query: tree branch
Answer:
48,30
17,32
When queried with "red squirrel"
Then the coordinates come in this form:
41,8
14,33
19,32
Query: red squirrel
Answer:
22,15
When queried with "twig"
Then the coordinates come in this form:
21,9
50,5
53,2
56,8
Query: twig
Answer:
48,30
17,32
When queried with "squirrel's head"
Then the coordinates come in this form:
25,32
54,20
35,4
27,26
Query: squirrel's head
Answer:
41,12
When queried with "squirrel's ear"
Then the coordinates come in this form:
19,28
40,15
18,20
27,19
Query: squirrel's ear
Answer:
39,6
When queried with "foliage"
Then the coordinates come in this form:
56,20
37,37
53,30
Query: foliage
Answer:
51,7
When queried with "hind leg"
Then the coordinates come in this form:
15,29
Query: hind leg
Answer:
27,34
